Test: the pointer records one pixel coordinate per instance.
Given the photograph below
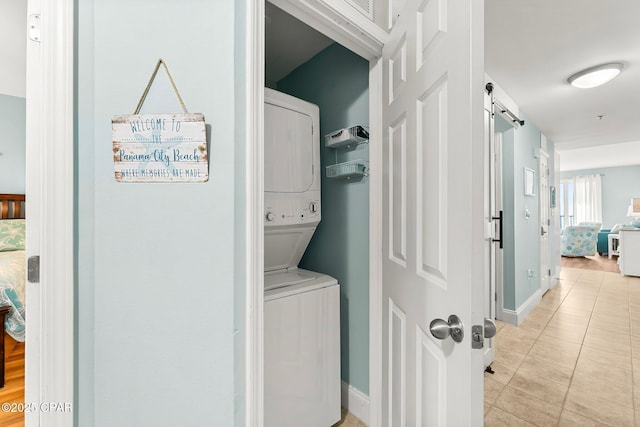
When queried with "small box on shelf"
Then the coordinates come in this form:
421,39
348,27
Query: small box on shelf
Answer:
346,137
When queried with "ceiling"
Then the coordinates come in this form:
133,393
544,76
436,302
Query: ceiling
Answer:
13,48
531,48
289,43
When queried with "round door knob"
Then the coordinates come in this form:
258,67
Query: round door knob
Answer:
442,329
490,328
270,216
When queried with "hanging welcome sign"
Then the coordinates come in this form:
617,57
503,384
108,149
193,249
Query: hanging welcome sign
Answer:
160,147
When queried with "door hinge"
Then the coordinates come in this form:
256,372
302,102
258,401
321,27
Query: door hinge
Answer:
34,27
549,272
548,221
33,269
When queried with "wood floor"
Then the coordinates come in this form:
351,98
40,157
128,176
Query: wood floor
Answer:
596,262
13,390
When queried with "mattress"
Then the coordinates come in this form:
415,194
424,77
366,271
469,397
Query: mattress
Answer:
12,291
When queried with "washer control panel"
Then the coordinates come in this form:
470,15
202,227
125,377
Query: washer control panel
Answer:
288,211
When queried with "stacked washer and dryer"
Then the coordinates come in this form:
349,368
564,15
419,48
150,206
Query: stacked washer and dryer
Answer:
301,307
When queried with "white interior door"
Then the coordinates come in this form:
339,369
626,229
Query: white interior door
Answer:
49,357
433,212
33,205
545,260
493,233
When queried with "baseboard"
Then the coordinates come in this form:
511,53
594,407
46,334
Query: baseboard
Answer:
516,317
507,316
355,402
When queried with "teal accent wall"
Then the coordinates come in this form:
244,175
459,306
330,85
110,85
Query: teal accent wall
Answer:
619,185
522,236
337,80
157,338
12,144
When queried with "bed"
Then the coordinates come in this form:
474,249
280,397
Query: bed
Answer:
12,270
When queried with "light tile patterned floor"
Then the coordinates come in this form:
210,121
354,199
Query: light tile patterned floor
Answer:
575,360
349,420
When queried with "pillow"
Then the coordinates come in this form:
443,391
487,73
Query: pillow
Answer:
12,235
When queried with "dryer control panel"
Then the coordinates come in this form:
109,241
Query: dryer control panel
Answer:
289,211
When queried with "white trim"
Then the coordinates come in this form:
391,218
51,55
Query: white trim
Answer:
508,316
49,358
339,21
375,243
518,316
355,402
254,187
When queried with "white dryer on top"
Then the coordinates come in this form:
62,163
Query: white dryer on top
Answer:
291,178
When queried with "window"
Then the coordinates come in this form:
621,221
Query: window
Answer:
580,200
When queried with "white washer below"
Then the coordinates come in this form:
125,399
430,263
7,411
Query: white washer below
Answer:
301,349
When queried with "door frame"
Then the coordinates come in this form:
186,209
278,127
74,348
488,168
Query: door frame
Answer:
49,357
365,39
542,198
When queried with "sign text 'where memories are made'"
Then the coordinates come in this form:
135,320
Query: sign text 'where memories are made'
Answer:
160,148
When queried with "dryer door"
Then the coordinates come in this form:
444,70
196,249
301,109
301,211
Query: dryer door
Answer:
288,150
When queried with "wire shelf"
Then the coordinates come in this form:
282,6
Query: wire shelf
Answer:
347,170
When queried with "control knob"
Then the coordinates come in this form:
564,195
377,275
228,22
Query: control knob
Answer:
270,216
313,207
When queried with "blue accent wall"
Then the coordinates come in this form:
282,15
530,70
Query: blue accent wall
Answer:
337,80
157,285
619,185
521,149
12,144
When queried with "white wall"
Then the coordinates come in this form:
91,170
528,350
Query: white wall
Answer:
13,48
156,262
12,144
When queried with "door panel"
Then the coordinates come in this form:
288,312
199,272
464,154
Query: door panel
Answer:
398,191
433,212
431,182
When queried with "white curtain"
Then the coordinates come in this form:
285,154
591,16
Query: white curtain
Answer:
587,200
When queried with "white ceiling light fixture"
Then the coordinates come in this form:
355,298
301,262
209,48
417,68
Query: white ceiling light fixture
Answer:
595,76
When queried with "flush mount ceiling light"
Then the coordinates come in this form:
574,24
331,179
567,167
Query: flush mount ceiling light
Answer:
595,76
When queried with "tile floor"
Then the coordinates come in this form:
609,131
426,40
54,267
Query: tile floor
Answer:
575,360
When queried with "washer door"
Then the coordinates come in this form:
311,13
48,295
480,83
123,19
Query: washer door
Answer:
288,150
302,359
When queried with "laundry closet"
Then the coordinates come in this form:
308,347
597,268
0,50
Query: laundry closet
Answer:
312,68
